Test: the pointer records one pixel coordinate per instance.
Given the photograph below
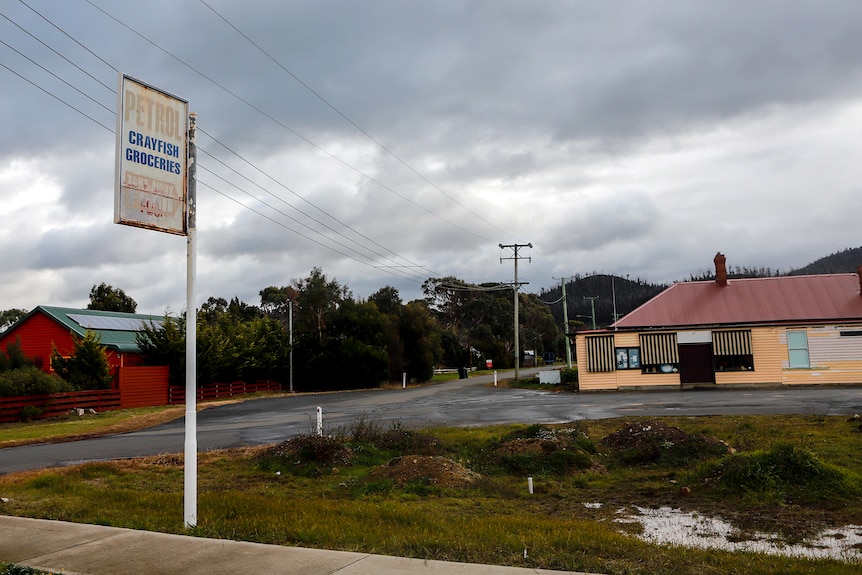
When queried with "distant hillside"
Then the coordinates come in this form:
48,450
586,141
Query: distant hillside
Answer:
601,291
629,294
846,261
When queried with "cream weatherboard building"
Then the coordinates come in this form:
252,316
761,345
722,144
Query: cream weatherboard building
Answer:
789,330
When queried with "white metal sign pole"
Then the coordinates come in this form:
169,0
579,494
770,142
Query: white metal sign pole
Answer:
154,189
191,444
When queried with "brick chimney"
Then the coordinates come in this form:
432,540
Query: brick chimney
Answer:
721,269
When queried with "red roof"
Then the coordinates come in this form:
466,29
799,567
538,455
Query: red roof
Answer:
745,301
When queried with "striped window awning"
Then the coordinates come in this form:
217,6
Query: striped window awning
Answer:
600,353
736,342
659,348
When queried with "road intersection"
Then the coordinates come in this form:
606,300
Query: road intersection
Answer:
471,402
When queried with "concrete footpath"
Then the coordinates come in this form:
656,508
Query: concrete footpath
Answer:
79,549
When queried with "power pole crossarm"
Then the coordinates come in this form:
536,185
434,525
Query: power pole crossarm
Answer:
516,257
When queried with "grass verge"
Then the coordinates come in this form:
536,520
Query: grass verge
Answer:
73,427
461,494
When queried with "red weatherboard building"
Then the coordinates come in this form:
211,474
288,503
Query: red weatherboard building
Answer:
46,328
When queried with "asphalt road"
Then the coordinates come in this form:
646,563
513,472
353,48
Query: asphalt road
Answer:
471,402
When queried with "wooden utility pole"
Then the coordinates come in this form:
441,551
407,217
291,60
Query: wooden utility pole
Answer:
516,286
566,324
592,299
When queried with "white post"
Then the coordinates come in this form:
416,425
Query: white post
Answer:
530,485
404,380
319,421
495,378
290,322
190,484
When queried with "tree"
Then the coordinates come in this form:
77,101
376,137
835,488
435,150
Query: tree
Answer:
387,299
212,309
446,298
454,352
357,365
351,353
87,367
20,376
539,330
165,344
241,311
230,349
339,343
107,298
13,357
275,302
318,299
9,316
422,341
480,316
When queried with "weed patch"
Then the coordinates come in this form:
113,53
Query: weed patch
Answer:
786,473
306,455
655,442
13,569
542,450
426,470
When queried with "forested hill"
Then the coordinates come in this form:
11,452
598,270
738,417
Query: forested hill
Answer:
847,261
604,290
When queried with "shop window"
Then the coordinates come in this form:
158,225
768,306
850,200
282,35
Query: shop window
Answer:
628,357
732,350
734,363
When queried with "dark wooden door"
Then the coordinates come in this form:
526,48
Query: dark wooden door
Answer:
695,364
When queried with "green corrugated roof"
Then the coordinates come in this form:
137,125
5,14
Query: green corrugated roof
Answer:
122,340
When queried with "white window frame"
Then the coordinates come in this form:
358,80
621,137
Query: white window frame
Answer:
797,349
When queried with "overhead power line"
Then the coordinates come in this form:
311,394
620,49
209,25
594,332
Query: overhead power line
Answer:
52,49
335,109
61,100
394,267
370,262
44,69
302,224
364,245
67,35
328,215
284,126
276,222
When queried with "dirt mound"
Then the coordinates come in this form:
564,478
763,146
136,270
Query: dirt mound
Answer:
529,446
644,433
657,442
311,449
432,469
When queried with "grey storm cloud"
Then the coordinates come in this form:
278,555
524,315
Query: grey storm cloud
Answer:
636,140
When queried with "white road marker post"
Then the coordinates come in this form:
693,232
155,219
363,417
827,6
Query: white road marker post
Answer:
319,421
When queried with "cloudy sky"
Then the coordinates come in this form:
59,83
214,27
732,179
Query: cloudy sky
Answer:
387,142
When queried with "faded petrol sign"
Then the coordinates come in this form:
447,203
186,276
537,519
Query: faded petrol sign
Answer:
151,178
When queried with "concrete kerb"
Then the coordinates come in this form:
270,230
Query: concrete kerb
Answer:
80,549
